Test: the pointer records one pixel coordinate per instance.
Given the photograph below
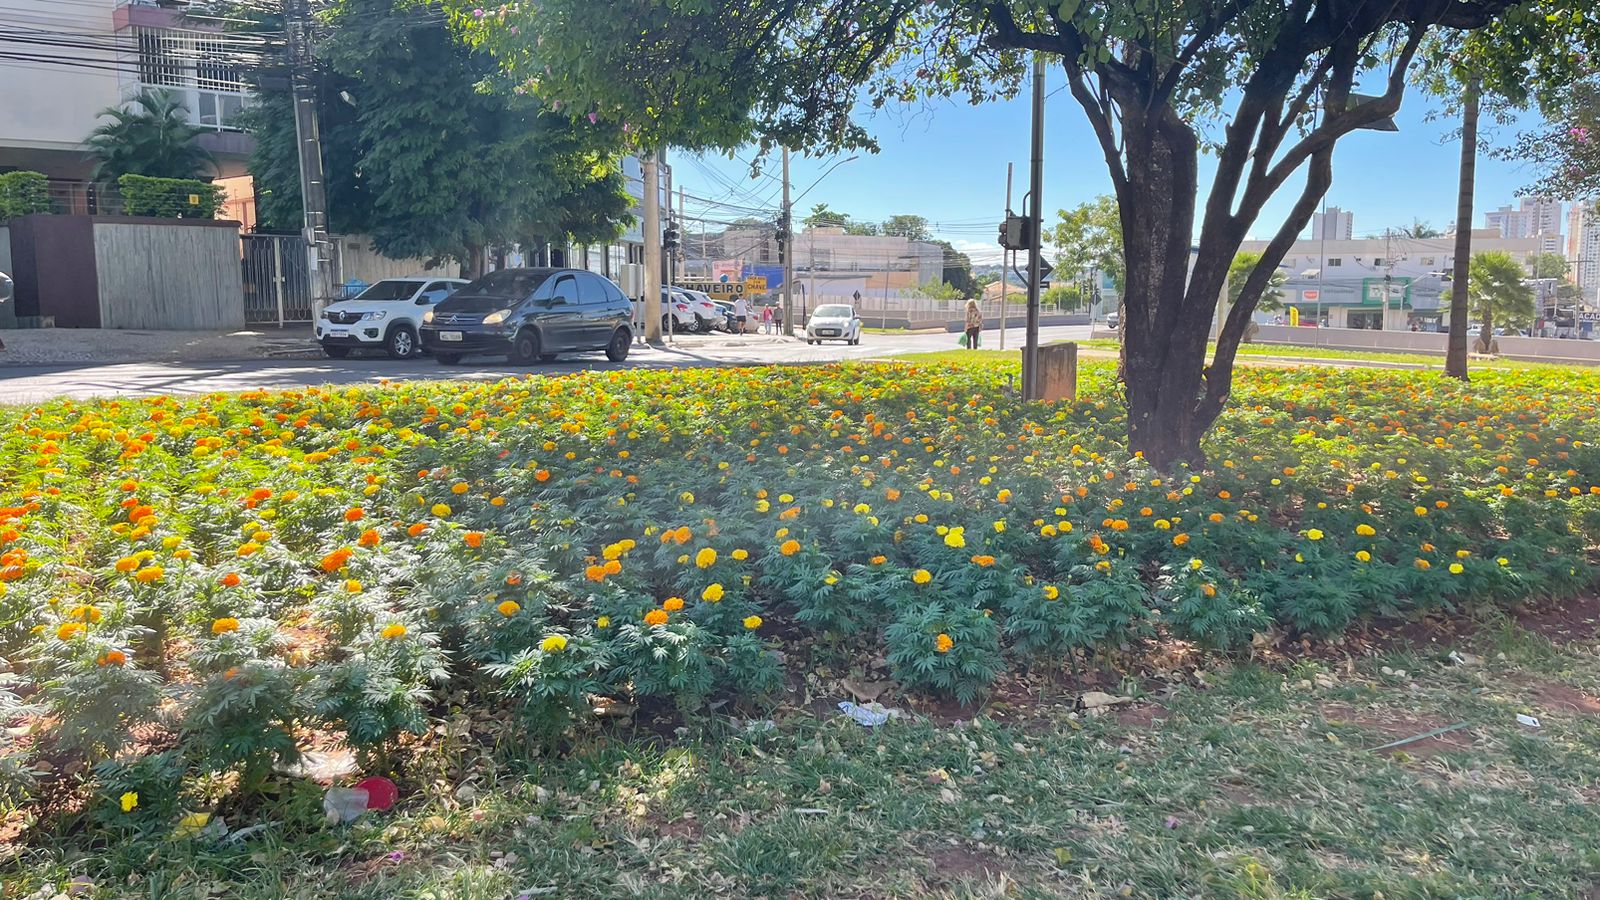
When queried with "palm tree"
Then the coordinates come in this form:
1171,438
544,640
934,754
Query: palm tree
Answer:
1497,293
151,136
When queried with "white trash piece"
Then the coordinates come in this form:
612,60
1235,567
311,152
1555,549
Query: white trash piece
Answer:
868,714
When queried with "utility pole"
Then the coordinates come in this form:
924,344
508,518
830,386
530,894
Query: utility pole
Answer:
787,249
1005,263
651,235
308,140
1030,349
680,254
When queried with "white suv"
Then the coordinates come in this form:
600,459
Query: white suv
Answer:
384,316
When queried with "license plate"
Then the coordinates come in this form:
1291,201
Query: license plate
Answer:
339,332
449,335
827,332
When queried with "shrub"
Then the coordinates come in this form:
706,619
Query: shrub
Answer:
169,198
23,193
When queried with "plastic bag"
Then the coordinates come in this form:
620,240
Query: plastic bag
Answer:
962,341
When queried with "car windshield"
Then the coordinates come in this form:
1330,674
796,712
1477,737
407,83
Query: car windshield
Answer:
832,312
517,283
390,289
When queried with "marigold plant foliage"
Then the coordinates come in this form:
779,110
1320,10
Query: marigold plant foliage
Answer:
236,570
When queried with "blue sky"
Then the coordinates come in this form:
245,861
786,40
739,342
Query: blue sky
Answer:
947,162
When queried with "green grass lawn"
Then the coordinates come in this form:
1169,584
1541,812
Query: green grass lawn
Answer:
1237,780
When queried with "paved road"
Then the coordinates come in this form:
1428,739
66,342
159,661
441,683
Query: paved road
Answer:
30,384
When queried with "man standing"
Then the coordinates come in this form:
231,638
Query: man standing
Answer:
741,312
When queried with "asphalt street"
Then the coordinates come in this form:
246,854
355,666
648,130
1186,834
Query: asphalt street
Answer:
31,384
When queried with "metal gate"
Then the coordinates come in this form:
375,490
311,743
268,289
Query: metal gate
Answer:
277,285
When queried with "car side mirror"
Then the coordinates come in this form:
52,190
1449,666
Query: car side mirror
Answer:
558,301
424,300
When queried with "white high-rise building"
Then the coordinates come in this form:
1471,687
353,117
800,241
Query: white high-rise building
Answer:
1583,248
1533,217
1335,225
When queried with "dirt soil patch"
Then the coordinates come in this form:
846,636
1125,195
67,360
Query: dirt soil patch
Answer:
1567,620
1560,699
958,865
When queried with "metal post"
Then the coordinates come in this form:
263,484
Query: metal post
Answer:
277,275
308,140
788,253
1030,349
651,235
1005,263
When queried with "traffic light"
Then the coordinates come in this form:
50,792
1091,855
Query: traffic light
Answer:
1014,233
669,238
781,234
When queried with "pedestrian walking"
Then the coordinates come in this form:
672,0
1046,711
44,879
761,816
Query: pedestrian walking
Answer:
974,324
766,320
741,312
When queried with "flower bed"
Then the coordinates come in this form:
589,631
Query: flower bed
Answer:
233,571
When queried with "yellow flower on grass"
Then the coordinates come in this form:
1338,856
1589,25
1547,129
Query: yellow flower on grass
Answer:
1366,530
1051,592
1363,556
943,643
740,555
922,576
686,497
1457,568
1195,565
603,622
1000,526
129,801
1314,534
352,586
149,574
955,537
706,558
712,594
555,643
224,625
440,510
751,623
509,608
69,630
393,631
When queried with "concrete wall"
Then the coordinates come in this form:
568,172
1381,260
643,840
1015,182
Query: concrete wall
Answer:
169,274
360,261
53,106
1525,348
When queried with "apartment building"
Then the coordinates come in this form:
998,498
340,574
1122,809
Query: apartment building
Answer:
1335,224
1538,217
62,62
1583,248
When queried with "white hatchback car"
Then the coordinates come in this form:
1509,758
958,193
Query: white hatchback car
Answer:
833,322
384,316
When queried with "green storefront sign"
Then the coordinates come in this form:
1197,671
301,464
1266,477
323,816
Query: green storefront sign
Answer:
1399,287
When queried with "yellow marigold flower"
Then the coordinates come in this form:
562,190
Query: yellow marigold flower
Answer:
127,564
353,586
603,622
129,801
1420,510
712,594
922,576
1457,568
706,558
224,625
751,623
392,631
1047,531
1366,530
763,506
942,643
1195,565
789,547
70,630
983,560
509,608
555,643
1004,496
861,509
655,617
1000,526
955,537
1103,565
1503,561
460,487
1363,556
686,497
1314,534
1051,592
440,510
740,555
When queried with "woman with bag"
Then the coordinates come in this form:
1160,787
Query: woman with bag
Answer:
974,325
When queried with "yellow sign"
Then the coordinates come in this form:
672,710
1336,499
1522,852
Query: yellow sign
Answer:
756,284
194,199
1294,316
717,290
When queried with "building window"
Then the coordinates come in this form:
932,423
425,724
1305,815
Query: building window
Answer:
1334,262
1428,261
198,66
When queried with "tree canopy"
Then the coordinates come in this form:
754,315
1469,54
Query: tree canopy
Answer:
1243,265
422,154
150,136
1089,236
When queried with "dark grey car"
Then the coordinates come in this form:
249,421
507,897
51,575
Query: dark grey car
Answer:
531,314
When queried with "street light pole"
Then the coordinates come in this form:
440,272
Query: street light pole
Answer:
1030,349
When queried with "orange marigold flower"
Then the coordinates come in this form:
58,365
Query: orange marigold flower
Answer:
613,567
672,604
509,608
231,579
149,574
655,617
335,561
542,475
354,514
1178,540
943,642
392,631
112,658
370,538
70,630
416,529
473,539
595,573
224,625
789,547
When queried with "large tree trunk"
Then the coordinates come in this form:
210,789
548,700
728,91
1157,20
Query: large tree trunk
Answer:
475,262
1455,360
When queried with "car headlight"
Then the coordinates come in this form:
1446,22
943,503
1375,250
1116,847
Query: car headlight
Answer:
427,317
375,316
496,317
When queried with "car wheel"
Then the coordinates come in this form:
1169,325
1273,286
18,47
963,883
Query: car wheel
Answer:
447,359
666,325
402,342
525,347
621,341
336,352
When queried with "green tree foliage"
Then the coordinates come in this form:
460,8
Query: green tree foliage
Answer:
862,229
912,228
940,290
823,217
958,270
1062,296
428,152
151,136
1498,294
1550,265
23,193
1089,236
1239,273
1266,86
1419,228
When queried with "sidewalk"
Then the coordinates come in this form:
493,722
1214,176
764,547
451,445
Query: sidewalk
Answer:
53,346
